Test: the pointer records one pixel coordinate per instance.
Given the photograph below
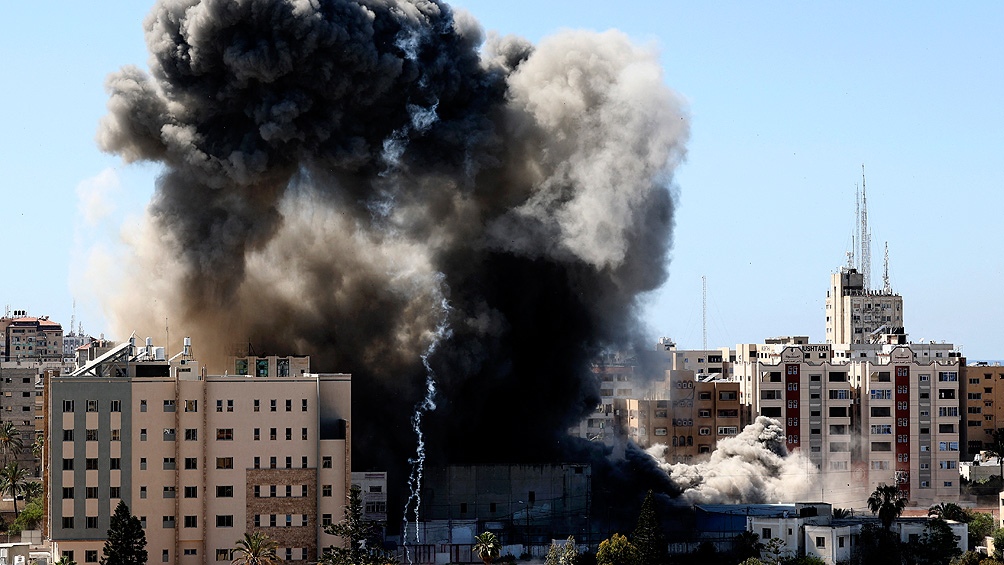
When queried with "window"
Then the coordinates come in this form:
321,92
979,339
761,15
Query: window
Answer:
191,406
223,555
727,395
191,551
230,405
192,492
948,376
142,463
949,464
765,533
114,492
272,405
820,541
224,434
289,462
771,412
948,446
165,556
704,413
67,406
303,434
326,462
68,522
191,434
257,405
169,464
946,428
881,429
840,411
92,405
224,462
303,462
881,446
219,405
728,430
272,462
272,434
169,434
91,555
67,435
168,521
303,405
116,435
191,463
661,431
142,434
142,406
257,434
879,465
67,492
115,463
191,521
289,434
289,405
952,411
169,492
224,491
91,464
881,411
841,394
325,491
224,521
68,464
325,519
169,405
257,462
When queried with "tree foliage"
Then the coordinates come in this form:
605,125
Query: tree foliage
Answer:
647,535
126,543
747,545
11,443
981,525
487,547
878,546
564,554
12,481
937,544
617,551
888,502
30,517
255,548
361,537
996,448
949,511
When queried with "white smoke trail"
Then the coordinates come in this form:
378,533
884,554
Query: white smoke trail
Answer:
428,404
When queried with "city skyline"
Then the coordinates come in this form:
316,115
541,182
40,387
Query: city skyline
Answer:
786,104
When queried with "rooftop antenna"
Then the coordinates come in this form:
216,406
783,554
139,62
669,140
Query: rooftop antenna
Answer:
857,226
704,309
866,236
886,287
73,316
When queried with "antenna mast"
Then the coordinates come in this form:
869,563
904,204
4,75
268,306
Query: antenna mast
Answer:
866,236
704,309
886,287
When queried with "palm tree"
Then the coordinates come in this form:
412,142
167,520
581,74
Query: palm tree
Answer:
487,547
37,446
948,511
888,503
255,548
12,481
841,513
10,441
31,490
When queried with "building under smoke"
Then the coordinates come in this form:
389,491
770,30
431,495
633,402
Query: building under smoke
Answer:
362,180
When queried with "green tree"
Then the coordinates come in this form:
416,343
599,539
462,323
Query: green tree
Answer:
937,544
38,446
968,558
10,441
12,481
747,545
996,449
64,560
949,511
998,536
647,535
617,551
487,547
30,517
31,490
839,513
126,543
888,502
255,548
774,551
878,546
981,525
751,561
361,537
564,554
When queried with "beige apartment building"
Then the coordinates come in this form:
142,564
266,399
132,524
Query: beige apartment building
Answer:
27,338
200,459
697,412
857,315
864,414
983,406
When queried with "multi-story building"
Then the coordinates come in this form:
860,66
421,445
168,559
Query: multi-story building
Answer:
855,314
696,412
200,459
864,414
373,495
18,390
983,406
23,337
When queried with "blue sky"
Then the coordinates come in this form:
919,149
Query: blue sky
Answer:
787,101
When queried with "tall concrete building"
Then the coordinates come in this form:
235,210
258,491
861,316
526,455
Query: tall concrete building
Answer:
855,314
200,459
983,405
27,338
864,414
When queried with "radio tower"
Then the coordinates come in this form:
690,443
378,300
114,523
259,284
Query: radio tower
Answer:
886,286
865,237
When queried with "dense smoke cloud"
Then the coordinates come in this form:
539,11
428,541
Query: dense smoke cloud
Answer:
333,169
751,467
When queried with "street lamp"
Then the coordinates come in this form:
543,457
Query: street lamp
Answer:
526,533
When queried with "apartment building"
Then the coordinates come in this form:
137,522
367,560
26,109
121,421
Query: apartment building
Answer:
200,459
855,314
24,337
983,405
697,411
864,414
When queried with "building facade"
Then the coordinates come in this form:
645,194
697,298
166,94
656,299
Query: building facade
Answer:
855,314
983,406
864,414
27,338
200,459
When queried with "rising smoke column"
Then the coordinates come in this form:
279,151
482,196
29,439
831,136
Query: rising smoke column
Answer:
333,168
751,467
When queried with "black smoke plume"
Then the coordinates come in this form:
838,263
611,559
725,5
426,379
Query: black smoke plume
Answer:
334,169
